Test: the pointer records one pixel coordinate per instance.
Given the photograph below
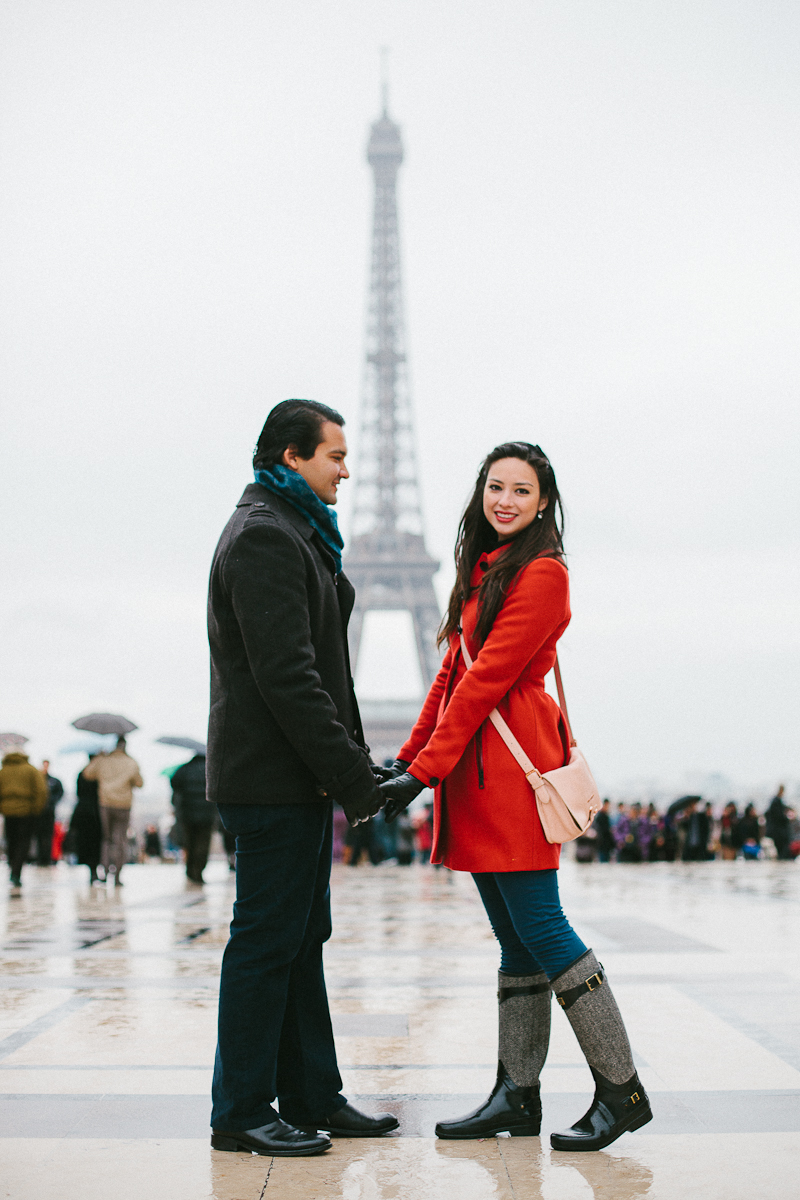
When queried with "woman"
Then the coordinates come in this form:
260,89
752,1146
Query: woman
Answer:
511,597
85,831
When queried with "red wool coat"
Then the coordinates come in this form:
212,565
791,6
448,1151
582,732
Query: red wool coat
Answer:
485,816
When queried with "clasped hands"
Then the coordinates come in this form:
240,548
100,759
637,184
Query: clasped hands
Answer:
394,791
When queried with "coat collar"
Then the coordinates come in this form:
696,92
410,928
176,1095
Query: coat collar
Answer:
256,496
484,562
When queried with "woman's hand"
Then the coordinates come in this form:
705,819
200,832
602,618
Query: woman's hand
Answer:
399,793
398,767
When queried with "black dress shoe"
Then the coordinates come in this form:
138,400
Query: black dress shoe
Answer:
349,1122
276,1139
509,1109
616,1109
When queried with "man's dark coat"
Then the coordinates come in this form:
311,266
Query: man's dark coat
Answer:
284,726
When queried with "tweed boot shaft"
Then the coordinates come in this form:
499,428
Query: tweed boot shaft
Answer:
596,1021
524,1025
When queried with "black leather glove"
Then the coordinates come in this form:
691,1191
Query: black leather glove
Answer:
398,767
399,793
364,806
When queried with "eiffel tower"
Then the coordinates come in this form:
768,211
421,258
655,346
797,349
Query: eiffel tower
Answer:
387,561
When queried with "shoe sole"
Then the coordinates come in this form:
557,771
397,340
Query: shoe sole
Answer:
517,1131
577,1145
234,1145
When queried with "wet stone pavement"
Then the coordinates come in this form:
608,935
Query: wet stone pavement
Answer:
108,1007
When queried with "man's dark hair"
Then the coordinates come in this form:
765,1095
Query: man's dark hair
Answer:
295,423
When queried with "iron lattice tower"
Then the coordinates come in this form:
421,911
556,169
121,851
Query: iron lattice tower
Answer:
387,560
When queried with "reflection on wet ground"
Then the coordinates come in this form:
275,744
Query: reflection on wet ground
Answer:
107,1024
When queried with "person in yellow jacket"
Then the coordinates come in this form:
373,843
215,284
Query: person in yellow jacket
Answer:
23,795
116,774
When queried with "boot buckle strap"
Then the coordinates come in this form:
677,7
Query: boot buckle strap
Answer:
531,989
568,998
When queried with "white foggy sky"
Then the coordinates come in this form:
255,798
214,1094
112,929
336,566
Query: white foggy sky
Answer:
599,219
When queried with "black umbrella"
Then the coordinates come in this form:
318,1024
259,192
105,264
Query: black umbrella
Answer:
678,806
105,723
184,743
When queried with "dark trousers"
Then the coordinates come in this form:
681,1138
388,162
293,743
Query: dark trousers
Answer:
274,1034
197,839
19,831
525,913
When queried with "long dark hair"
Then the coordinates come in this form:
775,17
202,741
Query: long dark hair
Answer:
541,539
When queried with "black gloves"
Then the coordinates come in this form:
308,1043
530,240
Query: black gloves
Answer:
389,772
363,806
399,792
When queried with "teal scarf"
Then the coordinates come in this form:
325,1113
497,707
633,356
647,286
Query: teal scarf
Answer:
292,488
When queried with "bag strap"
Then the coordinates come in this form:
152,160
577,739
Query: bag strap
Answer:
531,774
562,702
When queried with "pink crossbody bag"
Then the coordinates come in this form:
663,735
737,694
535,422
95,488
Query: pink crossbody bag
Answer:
567,798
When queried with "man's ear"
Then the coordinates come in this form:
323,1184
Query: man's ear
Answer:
289,458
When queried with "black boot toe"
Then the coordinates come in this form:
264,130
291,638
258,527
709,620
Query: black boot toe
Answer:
508,1109
616,1109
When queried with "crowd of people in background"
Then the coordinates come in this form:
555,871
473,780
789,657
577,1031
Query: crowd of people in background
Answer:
99,834
690,830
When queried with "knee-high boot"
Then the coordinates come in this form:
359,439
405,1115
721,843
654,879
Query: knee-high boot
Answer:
514,1104
620,1102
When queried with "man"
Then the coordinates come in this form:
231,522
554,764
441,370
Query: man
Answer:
116,774
193,816
43,830
779,825
605,838
284,740
23,795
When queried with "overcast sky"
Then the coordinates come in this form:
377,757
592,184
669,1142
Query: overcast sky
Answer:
600,238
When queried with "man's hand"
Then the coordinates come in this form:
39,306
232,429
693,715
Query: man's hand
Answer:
399,793
364,807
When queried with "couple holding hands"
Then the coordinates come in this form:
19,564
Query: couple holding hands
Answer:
285,742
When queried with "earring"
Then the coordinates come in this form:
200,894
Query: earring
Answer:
539,516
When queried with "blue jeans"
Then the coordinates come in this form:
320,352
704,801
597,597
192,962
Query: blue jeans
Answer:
525,913
274,1035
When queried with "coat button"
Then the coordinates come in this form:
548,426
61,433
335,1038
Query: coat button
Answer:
434,781
484,566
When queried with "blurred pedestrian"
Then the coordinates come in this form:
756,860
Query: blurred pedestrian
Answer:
362,839
85,827
43,829
655,841
710,847
728,842
194,815
748,833
778,824
116,774
23,796
604,836
151,844
627,835
405,840
422,821
694,833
